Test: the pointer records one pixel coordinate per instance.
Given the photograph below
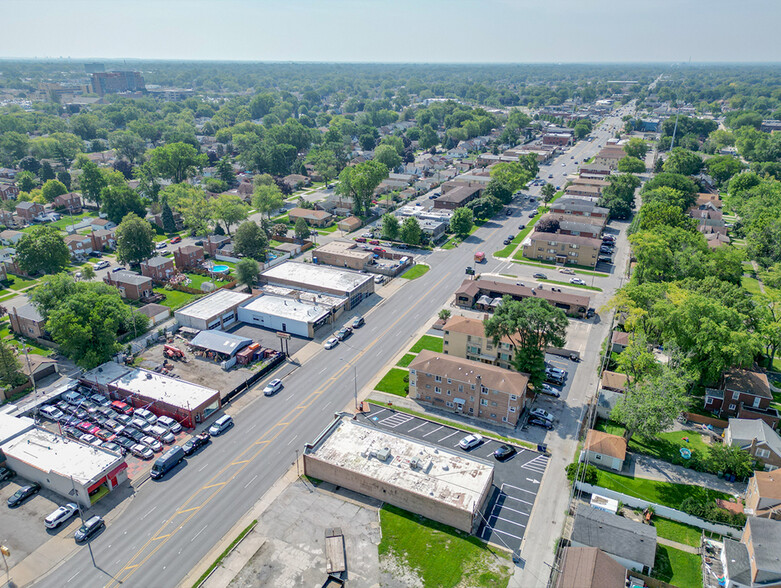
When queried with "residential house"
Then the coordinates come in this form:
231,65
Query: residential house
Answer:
71,202
8,191
487,295
157,219
314,218
349,224
753,561
707,198
763,495
188,257
102,223
37,367
465,337
604,450
130,285
606,402
296,181
756,437
159,268
11,220
214,243
10,237
566,249
613,381
484,392
103,239
630,543
769,126
157,313
80,246
29,210
27,321
589,567
578,207
619,341
744,394
715,240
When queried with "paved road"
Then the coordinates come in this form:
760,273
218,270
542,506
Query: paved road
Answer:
169,527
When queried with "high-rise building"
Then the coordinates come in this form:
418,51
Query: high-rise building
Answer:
114,82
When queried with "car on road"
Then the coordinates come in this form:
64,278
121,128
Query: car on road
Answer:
542,414
59,516
331,343
152,443
540,276
358,322
170,424
577,281
221,425
176,239
142,451
566,270
504,452
24,493
194,444
379,279
549,390
272,387
506,241
532,213
343,333
509,212
6,474
101,264
90,527
550,176
521,227
470,441
119,268
161,245
545,424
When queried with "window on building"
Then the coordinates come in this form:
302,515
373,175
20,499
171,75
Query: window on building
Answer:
709,400
428,386
763,453
597,457
450,404
735,395
437,378
412,371
513,397
428,397
484,402
732,406
493,404
448,392
472,386
437,390
449,381
512,409
504,419
460,387
493,415
483,390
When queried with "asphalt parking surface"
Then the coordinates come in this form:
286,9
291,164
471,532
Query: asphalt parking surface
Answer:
568,366
516,480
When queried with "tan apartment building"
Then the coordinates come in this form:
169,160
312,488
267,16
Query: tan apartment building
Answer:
465,338
610,156
597,221
566,249
484,392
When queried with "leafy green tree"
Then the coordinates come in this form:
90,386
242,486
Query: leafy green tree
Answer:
251,241
359,182
30,164
225,171
631,165
47,172
730,459
548,191
91,180
229,209
176,161
53,188
135,240
325,162
410,231
387,155
42,249
462,221
192,204
301,229
723,168
682,161
26,181
167,217
636,147
531,325
485,207
11,374
428,138
247,272
514,175
636,360
65,178
656,214
390,226
13,147
87,272
119,201
499,190
267,198
127,144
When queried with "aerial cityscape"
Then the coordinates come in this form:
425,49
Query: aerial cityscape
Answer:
365,296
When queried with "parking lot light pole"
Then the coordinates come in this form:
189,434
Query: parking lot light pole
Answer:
355,380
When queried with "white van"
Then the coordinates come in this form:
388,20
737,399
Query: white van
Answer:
221,425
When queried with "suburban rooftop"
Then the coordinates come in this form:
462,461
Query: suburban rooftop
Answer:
316,276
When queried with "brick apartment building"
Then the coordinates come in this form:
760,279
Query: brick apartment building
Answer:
578,207
559,248
465,338
763,495
188,257
160,269
484,392
457,194
487,294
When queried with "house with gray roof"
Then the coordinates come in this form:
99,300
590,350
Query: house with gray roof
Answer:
130,285
755,560
756,437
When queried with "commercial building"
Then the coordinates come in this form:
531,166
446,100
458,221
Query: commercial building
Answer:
115,82
183,401
159,268
287,315
578,207
610,156
317,278
215,311
218,345
463,386
77,472
458,194
487,295
559,248
428,480
343,254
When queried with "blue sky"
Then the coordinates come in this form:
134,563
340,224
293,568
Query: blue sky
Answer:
516,31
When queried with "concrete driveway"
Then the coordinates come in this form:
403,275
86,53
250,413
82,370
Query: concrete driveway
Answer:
643,466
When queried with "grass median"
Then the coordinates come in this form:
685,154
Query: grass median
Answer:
415,272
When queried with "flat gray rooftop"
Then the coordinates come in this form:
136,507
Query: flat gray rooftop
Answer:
287,308
214,304
316,276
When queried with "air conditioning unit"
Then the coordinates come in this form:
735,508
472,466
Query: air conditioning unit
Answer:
415,463
383,454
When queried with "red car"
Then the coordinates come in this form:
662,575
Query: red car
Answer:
378,250
88,427
374,242
121,407
104,435
360,239
176,239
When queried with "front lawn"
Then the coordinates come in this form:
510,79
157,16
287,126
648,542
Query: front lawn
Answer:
415,272
582,286
196,280
393,382
678,532
326,230
665,446
578,269
67,220
438,554
677,567
20,342
174,298
406,360
429,342
18,282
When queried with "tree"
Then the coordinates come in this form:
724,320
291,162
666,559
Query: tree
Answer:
730,459
127,144
251,241
462,221
485,207
11,374
87,272
30,164
548,191
135,240
387,155
279,230
176,161
225,171
247,272
428,138
301,229
65,178
47,173
411,231
53,188
230,209
325,163
42,249
723,168
390,226
167,217
682,161
547,225
515,175
267,198
636,360
192,204
119,201
654,214
13,147
26,181
499,190
531,325
636,147
444,314
631,165
91,180
359,182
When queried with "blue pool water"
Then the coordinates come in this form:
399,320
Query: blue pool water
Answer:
220,269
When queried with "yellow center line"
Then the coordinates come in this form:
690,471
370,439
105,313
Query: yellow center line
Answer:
239,462
187,510
161,537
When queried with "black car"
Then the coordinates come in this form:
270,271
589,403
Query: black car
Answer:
73,432
23,494
521,227
590,312
63,406
89,528
81,413
6,474
509,212
545,424
133,434
504,452
124,442
194,444
99,419
343,333
506,242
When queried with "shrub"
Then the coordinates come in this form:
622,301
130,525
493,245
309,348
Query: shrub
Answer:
574,470
707,509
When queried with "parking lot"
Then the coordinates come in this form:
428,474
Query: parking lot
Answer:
516,480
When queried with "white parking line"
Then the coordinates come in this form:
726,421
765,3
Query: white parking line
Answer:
502,533
447,437
516,488
149,513
198,533
74,575
423,424
252,480
505,507
506,521
203,467
293,439
434,431
382,410
519,500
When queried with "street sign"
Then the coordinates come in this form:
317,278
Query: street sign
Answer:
282,335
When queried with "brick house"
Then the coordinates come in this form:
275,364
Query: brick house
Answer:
753,561
215,242
756,437
314,218
103,239
763,495
744,394
71,202
562,248
484,392
580,229
558,139
130,285
29,210
158,268
465,337
102,223
8,191
458,194
188,257
80,246
610,156
27,321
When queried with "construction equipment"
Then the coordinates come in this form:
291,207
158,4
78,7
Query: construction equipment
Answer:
171,352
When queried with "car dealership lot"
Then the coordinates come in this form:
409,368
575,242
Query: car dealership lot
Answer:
516,480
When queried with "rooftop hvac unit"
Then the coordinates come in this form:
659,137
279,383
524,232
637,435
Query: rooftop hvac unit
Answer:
383,454
415,463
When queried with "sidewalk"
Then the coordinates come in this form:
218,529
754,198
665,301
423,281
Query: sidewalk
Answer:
676,545
643,466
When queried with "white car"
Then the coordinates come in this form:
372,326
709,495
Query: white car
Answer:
549,390
60,515
101,264
152,443
566,270
170,424
162,245
331,343
147,415
272,387
379,279
577,281
542,414
470,441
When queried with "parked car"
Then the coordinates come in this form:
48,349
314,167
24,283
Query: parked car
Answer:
506,242
162,434
142,451
90,527
374,242
87,427
549,390
147,415
343,333
124,443
123,419
605,259
360,239
112,446
542,414
152,443
6,474
379,279
272,387
141,424
52,413
101,264
170,424
566,270
221,425
331,343
24,493
357,322
504,452
100,400
577,281
540,276
121,407
133,434
161,245
545,424
521,227
554,377
59,516
90,439
378,250
470,441
105,435
72,432
195,443
176,239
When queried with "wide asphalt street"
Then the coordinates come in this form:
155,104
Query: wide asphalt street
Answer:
170,525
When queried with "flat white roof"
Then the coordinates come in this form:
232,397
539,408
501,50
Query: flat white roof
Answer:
312,297
48,452
287,308
446,476
164,388
11,426
317,276
213,305
105,373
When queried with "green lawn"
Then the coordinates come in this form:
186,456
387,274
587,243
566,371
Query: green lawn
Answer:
440,555
174,298
748,267
666,446
582,286
19,283
678,532
677,567
578,269
327,230
198,279
406,360
67,220
750,284
429,342
415,272
20,342
663,493
393,382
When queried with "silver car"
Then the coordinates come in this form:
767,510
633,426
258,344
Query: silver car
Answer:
152,443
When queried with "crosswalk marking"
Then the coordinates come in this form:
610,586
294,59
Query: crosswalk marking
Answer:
395,420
